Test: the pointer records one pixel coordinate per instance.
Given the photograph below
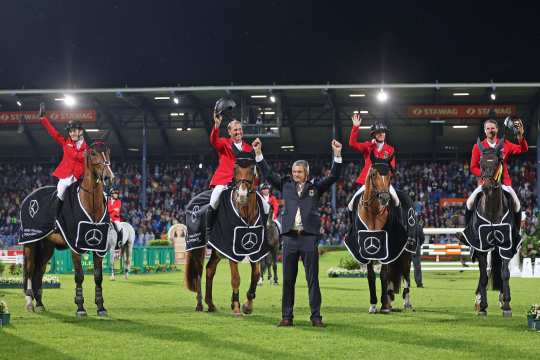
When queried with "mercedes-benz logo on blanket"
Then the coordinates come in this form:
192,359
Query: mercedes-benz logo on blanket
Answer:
495,237
195,213
249,240
93,237
372,245
411,219
33,208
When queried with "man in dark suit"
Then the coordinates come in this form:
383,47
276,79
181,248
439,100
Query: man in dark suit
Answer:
416,258
300,221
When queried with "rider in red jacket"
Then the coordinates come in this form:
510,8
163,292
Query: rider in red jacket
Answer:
71,167
114,205
491,129
271,199
377,146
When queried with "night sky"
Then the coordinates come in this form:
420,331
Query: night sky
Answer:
53,43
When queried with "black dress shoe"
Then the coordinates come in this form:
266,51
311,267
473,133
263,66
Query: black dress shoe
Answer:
285,322
317,323
420,285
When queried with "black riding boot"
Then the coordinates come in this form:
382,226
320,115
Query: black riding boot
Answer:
210,221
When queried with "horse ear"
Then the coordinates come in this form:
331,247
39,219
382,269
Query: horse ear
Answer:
480,146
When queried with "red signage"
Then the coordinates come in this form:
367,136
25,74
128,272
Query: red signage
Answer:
31,117
443,202
458,111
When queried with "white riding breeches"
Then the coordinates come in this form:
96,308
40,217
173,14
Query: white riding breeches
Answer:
508,189
391,190
216,193
63,184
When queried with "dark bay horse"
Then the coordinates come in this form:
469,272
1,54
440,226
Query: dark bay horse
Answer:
269,263
374,210
245,202
492,205
38,254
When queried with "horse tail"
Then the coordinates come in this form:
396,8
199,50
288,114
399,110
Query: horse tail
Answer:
495,274
194,268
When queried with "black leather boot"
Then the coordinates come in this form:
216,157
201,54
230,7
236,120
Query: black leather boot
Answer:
210,221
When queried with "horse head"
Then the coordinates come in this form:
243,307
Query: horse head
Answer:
244,194
98,161
491,165
378,180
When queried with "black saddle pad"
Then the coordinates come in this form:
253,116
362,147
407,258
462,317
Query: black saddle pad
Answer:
233,237
38,214
80,231
384,245
196,220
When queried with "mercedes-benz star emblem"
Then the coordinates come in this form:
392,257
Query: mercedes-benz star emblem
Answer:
495,237
372,245
195,213
33,208
411,218
93,237
249,240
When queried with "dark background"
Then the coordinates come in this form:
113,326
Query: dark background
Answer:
54,43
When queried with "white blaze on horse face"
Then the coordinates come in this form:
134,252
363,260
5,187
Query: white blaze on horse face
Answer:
243,192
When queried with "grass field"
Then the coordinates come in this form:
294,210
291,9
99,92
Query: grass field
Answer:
152,316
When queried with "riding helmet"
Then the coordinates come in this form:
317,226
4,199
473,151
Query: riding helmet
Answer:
378,127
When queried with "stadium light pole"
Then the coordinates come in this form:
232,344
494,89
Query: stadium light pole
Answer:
144,155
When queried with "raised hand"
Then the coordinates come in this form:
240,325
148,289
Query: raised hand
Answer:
257,146
356,120
217,120
336,147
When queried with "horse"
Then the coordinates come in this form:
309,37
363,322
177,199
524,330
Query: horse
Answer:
374,211
125,247
493,207
270,262
38,253
244,198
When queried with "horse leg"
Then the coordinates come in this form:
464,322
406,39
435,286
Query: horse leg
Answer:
482,265
235,284
98,280
274,265
372,288
505,276
199,306
406,265
46,252
29,251
211,267
127,260
385,307
263,269
79,278
112,258
247,308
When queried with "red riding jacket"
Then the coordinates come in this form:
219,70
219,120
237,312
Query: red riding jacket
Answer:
274,204
73,160
366,148
227,157
508,149
114,206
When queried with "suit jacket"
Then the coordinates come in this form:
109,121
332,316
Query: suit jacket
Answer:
308,202
227,157
73,160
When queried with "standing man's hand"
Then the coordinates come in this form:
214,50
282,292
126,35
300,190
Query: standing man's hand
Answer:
356,120
257,146
520,130
217,120
336,148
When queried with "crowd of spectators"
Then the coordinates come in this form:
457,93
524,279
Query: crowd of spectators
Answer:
172,184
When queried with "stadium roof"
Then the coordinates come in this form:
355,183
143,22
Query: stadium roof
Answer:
420,116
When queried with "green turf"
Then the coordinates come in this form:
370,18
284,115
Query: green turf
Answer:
152,316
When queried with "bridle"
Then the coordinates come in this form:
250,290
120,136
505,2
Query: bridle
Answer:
378,167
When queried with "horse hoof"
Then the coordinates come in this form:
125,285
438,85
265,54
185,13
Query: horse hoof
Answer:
126,276
507,313
237,314
30,308
385,311
408,307
372,309
102,313
199,307
112,278
482,313
247,310
211,308
40,308
81,314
